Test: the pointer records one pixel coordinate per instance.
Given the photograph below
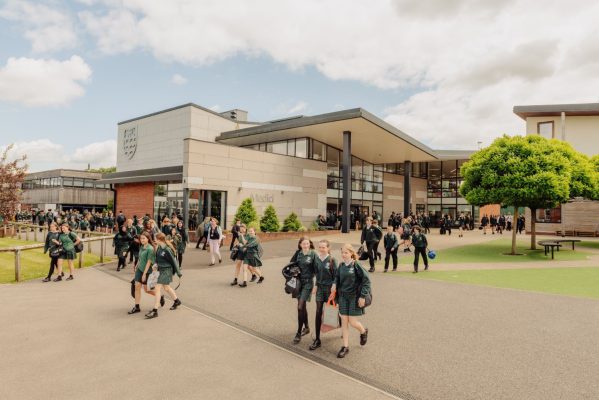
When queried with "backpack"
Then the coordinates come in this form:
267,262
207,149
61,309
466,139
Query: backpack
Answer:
368,297
291,273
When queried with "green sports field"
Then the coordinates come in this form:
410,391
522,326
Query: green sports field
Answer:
580,282
34,263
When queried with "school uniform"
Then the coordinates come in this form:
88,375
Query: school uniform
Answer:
252,252
145,254
348,280
326,270
391,245
167,264
50,246
420,244
68,245
369,237
379,235
307,265
241,240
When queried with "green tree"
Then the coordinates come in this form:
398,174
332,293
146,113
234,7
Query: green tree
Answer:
246,212
103,170
291,223
110,205
12,175
517,171
595,162
269,221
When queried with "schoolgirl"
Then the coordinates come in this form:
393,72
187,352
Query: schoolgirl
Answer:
53,250
183,243
406,229
134,246
326,271
305,257
167,265
350,288
369,236
121,242
215,236
166,226
143,267
241,239
391,245
109,223
251,259
68,240
420,244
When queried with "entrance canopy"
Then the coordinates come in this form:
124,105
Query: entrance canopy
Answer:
372,139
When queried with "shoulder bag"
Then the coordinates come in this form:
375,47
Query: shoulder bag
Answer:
368,297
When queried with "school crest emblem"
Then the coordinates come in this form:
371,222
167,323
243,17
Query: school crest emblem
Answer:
130,142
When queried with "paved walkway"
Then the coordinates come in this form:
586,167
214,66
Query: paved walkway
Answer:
428,340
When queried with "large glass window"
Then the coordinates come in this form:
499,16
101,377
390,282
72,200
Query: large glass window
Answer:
301,148
333,161
291,147
277,147
434,170
78,182
356,168
319,151
545,129
449,169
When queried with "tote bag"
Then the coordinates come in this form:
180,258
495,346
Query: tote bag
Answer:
153,278
330,317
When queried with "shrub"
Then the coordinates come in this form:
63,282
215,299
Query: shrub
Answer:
302,229
255,225
291,223
246,212
270,221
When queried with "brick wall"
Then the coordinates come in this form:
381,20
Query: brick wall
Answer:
135,199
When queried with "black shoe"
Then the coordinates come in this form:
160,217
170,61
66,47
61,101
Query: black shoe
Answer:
364,337
297,338
70,278
414,272
343,352
260,280
118,269
315,345
253,278
162,302
394,269
134,310
62,274
58,278
47,279
210,265
244,284
305,331
385,270
176,304
426,268
152,314
371,270
220,260
234,282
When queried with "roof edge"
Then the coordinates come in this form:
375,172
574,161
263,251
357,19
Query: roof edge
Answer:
183,106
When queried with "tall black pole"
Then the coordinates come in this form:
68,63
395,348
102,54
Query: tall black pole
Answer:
407,173
346,175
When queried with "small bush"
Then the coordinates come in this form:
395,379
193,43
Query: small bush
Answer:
291,223
255,225
270,221
302,229
246,212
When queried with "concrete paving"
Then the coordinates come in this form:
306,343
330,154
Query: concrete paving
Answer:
428,339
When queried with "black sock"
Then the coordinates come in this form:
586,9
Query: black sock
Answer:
318,321
300,321
137,306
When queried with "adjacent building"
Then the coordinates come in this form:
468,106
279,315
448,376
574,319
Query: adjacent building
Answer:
65,189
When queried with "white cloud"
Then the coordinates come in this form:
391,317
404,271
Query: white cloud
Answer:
299,107
467,61
47,28
178,79
47,154
40,82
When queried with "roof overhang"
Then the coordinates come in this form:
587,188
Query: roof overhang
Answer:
145,175
372,139
555,110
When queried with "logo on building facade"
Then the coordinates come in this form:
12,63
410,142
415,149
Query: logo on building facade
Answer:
262,198
130,142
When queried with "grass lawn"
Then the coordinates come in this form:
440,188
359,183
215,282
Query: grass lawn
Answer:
494,252
588,244
581,282
34,263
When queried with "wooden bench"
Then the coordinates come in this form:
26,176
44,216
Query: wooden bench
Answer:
548,244
567,241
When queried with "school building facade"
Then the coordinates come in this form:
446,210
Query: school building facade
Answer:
201,162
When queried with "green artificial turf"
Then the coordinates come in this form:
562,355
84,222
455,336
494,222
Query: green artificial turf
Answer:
495,252
34,263
581,282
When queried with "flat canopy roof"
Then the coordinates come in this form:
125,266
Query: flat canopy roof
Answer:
146,175
556,110
373,139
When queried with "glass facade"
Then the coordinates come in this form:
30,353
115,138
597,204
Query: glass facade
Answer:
57,182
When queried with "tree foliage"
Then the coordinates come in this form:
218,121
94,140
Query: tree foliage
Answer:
584,180
292,223
246,212
12,174
269,221
517,171
103,170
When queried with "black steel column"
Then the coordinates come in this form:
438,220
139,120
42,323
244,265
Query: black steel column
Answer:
407,173
346,176
186,208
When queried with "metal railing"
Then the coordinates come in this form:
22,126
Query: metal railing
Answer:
18,227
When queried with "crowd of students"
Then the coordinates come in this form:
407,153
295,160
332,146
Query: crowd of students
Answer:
500,223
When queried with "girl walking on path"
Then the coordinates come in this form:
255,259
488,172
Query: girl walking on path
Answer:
167,265
305,257
326,271
369,236
242,239
142,270
68,240
215,236
391,245
183,243
251,260
121,242
53,250
350,288
420,244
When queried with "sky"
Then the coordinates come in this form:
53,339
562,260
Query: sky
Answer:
447,72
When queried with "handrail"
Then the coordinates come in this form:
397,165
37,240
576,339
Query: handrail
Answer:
45,227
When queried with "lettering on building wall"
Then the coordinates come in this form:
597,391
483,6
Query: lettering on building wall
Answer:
263,198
